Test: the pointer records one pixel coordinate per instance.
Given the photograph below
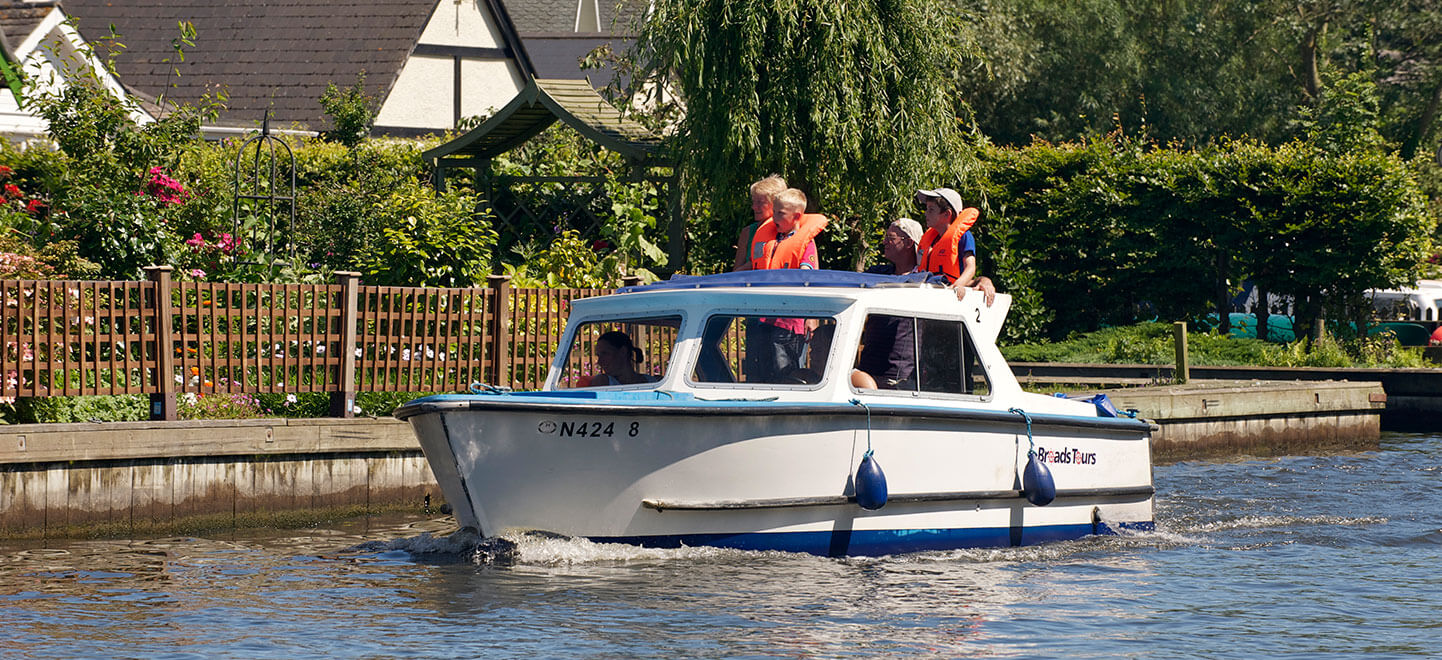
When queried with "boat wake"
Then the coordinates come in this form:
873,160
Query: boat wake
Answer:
463,545
533,549
1272,522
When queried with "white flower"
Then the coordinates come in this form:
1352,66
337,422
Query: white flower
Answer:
360,352
290,399
356,409
320,348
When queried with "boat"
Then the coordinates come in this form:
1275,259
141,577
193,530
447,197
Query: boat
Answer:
714,441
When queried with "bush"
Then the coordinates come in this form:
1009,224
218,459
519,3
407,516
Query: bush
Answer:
66,409
1112,232
429,239
220,406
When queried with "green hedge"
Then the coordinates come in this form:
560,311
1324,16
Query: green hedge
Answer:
1110,233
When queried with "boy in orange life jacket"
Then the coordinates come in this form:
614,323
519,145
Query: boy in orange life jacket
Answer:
947,248
761,193
775,347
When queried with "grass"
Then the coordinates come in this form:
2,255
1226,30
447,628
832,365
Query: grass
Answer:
1151,343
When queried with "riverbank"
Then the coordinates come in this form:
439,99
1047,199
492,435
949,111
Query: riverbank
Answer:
149,478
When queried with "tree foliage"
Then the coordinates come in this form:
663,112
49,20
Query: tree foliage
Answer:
1197,70
851,102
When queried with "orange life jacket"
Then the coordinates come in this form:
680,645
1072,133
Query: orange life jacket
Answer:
767,253
939,251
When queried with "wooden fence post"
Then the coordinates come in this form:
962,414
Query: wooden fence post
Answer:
342,401
500,286
162,401
1183,372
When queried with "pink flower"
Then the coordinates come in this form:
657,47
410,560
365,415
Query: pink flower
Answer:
196,241
197,273
164,188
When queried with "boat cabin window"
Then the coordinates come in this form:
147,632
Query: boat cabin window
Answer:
758,349
911,354
619,352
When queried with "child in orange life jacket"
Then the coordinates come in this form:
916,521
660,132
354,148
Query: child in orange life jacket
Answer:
761,193
776,347
948,248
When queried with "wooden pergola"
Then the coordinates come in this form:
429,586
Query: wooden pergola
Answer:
575,103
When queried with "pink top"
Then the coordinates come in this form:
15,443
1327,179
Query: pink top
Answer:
798,326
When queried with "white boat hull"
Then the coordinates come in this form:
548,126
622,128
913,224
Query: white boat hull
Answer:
778,476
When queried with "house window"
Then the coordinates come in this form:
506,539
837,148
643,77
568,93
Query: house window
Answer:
910,354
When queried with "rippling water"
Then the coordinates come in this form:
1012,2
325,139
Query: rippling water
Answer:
1300,556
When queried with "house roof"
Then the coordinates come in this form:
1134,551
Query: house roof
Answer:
548,28
18,19
277,54
544,102
535,17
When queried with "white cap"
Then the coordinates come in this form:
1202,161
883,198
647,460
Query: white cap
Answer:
951,197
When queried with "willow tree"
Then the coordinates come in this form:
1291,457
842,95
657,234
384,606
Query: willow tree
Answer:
853,102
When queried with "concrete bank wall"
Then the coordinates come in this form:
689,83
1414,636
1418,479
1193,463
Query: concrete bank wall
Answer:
1414,396
1212,418
122,478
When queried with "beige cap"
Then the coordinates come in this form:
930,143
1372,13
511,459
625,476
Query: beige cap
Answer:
908,227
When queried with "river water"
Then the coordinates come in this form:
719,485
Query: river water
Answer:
1305,556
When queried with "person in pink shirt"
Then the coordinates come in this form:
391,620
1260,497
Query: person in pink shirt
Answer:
776,347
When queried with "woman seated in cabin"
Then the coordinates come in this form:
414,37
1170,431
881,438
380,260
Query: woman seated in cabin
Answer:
618,357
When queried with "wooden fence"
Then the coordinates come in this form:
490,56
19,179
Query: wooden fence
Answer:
164,338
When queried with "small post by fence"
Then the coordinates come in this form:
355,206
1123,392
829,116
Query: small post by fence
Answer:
342,401
500,300
1183,371
162,403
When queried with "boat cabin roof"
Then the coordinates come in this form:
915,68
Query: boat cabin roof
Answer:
785,277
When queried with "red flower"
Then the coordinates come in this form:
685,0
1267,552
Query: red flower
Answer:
12,190
5,172
600,245
35,207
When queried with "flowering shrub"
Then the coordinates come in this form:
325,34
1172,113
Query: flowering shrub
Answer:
212,256
220,406
23,267
162,187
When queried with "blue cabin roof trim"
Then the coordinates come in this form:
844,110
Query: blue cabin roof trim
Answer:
784,277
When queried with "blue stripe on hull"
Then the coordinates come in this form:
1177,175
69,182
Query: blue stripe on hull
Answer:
877,542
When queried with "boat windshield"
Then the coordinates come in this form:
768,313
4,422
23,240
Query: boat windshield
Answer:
756,349
619,352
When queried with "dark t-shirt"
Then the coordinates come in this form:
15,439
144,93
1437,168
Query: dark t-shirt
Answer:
888,350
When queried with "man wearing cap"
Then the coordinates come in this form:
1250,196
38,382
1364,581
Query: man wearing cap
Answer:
898,247
888,351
